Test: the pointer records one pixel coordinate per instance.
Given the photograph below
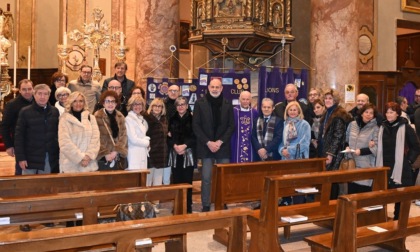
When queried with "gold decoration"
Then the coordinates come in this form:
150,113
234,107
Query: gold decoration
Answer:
96,36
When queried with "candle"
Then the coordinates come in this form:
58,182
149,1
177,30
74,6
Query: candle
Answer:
29,62
121,39
65,39
14,62
189,75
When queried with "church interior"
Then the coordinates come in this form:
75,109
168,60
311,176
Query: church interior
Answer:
371,46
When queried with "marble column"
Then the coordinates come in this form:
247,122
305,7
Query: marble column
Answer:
157,29
334,43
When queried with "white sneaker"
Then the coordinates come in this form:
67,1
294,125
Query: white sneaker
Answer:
417,203
156,208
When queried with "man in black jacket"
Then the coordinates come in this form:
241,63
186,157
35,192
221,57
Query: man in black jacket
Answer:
36,137
291,93
10,116
213,125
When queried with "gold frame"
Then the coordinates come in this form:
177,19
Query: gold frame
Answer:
184,44
407,7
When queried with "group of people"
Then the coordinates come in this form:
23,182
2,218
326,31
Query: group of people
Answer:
79,126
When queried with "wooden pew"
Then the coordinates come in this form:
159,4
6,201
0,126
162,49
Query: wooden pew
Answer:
264,223
64,206
124,234
348,236
233,183
15,186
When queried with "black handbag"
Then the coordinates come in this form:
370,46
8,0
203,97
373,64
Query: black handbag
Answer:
135,211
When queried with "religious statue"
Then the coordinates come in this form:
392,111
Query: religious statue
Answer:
6,31
277,17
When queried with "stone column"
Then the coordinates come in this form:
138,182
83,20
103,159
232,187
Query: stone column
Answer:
157,29
334,43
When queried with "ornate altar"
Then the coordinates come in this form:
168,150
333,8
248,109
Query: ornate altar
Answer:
253,27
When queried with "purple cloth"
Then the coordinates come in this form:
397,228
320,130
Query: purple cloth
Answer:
241,144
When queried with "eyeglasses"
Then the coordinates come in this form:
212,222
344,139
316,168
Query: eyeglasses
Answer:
110,102
62,95
157,106
313,94
87,73
60,80
137,104
173,91
114,88
181,105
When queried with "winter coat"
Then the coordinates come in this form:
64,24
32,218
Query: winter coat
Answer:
303,139
359,138
334,136
78,139
10,117
182,133
106,144
36,134
138,142
410,152
203,126
158,133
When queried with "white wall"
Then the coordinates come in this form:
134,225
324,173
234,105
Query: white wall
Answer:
388,11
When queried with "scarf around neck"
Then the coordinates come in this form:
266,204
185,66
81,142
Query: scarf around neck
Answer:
399,145
291,129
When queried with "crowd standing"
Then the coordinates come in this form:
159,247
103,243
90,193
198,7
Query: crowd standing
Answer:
81,127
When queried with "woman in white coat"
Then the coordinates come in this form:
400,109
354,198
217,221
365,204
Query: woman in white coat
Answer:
138,142
78,136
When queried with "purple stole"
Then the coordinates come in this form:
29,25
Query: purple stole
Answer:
241,144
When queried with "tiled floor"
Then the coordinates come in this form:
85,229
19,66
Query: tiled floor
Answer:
203,241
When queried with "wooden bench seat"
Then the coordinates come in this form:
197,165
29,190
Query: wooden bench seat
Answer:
124,234
15,186
264,223
244,182
348,236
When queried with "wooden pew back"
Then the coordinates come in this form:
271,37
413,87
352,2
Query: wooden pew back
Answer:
124,234
233,183
64,206
245,181
348,235
15,186
268,218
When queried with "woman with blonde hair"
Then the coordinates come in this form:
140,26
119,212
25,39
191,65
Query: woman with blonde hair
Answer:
158,152
78,136
137,127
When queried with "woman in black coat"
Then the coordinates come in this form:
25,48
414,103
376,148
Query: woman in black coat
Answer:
398,148
181,143
332,134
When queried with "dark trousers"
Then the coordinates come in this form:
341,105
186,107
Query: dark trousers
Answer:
356,188
183,175
18,170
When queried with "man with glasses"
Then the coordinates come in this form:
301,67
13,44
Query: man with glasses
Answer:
10,117
120,69
84,84
115,85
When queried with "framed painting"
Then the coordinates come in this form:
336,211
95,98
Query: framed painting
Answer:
184,35
410,6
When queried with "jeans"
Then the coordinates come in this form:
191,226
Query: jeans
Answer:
206,175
